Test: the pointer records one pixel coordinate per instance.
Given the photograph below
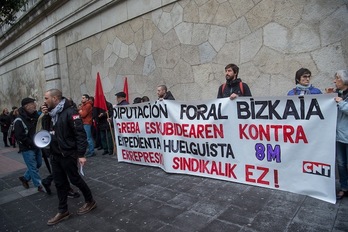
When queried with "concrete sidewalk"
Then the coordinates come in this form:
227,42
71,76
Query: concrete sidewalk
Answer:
138,198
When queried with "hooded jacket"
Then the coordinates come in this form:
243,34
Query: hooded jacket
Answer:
168,96
68,135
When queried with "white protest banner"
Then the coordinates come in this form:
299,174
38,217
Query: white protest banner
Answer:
285,143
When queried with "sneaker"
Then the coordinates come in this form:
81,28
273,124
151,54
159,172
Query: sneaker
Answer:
41,189
47,188
72,194
88,206
24,182
58,218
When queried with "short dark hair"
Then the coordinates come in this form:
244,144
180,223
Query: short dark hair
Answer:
164,87
55,93
300,73
145,99
234,67
86,96
137,100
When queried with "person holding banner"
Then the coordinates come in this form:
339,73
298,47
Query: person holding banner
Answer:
121,99
163,93
234,87
303,86
341,82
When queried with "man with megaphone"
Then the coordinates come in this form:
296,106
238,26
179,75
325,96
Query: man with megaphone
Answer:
67,148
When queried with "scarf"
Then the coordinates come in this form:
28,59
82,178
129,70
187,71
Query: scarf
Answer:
303,89
54,112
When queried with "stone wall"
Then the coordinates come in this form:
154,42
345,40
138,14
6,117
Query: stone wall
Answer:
186,44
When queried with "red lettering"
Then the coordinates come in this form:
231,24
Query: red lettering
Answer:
286,133
242,131
249,173
265,172
300,135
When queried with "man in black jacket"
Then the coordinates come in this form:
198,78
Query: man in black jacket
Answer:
234,87
68,147
104,122
24,129
163,93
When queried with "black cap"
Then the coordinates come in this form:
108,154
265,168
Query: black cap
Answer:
121,94
27,100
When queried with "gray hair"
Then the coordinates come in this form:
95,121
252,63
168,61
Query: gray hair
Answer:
343,74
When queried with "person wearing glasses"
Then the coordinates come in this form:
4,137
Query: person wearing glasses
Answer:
303,86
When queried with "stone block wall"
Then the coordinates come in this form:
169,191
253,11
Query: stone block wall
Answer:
187,44
184,44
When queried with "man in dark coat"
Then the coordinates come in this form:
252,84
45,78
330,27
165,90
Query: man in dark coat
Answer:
104,124
234,87
67,148
25,129
163,93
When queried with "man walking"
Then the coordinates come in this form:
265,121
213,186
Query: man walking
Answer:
68,147
24,129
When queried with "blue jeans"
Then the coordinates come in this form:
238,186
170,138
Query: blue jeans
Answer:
33,160
341,159
90,141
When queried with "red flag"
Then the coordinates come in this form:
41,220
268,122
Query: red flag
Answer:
99,98
125,89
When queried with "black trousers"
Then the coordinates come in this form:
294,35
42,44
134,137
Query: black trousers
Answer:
62,169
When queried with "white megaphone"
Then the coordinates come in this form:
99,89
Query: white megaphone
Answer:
42,138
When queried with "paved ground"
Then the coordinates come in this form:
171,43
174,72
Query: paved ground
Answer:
137,198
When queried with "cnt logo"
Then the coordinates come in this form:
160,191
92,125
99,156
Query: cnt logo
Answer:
316,168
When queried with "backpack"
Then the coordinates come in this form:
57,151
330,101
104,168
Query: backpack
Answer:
11,128
240,87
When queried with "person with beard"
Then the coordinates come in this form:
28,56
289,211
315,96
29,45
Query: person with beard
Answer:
163,93
25,129
67,148
234,87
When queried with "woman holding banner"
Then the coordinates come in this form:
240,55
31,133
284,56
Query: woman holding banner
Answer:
341,82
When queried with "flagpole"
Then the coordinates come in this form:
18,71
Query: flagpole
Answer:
100,103
112,134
